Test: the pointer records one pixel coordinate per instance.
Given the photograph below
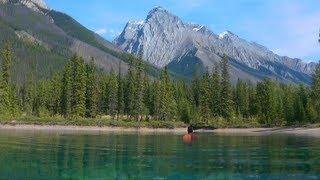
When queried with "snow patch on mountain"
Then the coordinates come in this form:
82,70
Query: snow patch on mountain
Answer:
223,34
197,29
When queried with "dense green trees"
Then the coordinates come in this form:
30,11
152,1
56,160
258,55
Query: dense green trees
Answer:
316,88
66,91
215,92
120,95
130,89
205,111
5,78
54,92
91,90
111,95
81,91
288,103
226,102
78,102
266,92
241,99
139,94
167,103
28,94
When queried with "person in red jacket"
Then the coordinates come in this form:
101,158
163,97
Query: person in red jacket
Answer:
190,137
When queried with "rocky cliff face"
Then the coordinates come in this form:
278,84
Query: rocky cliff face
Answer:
164,39
35,5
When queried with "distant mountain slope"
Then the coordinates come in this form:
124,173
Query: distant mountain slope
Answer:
164,39
43,40
37,46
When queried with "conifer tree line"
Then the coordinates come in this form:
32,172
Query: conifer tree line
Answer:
80,91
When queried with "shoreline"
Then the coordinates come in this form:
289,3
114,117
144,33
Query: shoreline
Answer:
249,131
73,128
270,131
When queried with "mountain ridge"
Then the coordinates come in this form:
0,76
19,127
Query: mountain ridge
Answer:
164,39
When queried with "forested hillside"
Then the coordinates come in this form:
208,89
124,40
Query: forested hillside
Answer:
43,40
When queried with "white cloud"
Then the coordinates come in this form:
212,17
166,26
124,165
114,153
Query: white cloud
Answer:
109,33
101,31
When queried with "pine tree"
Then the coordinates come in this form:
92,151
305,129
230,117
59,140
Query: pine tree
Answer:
184,110
147,98
102,104
66,96
205,97
226,92
254,108
14,100
266,92
112,89
316,89
311,113
299,110
28,95
242,98
120,101
5,79
164,101
195,85
172,102
41,99
215,92
279,98
78,87
91,93
301,104
138,101
155,96
289,108
55,94
167,105
130,91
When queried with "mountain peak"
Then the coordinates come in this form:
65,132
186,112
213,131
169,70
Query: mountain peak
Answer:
159,12
157,9
32,4
40,3
164,39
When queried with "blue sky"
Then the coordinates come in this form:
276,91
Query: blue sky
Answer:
287,27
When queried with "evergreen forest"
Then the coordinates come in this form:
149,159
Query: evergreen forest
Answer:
80,91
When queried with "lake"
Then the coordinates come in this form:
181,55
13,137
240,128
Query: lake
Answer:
133,155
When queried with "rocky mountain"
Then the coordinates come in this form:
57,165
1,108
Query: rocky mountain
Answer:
164,39
35,5
43,39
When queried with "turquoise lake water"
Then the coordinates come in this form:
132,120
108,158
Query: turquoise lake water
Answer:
65,155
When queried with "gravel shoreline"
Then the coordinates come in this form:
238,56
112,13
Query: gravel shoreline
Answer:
297,131
86,128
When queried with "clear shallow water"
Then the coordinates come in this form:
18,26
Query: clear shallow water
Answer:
58,155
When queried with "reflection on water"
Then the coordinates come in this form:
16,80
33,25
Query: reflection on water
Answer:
144,156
